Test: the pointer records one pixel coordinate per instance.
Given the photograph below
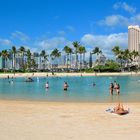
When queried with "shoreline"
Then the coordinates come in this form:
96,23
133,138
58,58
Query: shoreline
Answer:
45,74
64,102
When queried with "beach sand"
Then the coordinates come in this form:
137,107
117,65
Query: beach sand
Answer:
43,74
30,120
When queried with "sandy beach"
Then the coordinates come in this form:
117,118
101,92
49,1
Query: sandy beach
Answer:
28,120
43,74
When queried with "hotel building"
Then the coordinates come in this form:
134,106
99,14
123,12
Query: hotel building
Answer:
134,38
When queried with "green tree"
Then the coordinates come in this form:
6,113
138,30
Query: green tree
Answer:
116,50
14,51
68,51
55,54
5,55
22,51
45,58
81,51
28,54
90,60
135,54
76,45
96,51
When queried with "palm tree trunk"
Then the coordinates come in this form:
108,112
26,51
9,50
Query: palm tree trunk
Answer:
14,62
70,60
84,60
67,62
76,61
80,61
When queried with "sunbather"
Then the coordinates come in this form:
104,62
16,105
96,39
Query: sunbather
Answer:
119,109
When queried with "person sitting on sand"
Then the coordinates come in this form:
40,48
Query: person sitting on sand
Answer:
119,109
111,88
65,86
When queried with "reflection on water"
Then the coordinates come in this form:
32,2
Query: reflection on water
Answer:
88,89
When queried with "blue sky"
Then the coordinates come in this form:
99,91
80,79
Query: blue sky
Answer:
49,24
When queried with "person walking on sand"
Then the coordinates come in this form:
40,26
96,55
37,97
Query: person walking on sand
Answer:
65,86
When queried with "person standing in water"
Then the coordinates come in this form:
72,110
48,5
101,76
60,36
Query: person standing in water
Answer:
118,89
65,86
111,88
47,85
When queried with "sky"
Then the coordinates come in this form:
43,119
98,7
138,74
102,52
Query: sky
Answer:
49,24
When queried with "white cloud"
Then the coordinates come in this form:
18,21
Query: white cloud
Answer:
105,42
114,20
5,42
20,36
125,6
51,43
119,20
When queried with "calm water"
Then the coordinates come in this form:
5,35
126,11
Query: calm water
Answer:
80,89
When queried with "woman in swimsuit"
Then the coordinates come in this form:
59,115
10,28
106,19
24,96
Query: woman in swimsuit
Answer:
111,88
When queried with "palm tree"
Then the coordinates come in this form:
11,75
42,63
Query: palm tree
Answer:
135,54
76,45
14,51
43,54
28,54
84,51
22,51
33,64
90,60
67,51
5,55
55,54
116,50
81,51
96,51
70,52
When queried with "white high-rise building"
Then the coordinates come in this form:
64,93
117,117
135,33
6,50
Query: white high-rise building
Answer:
134,38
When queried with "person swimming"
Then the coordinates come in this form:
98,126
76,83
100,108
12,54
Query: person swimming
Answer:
47,85
65,86
93,84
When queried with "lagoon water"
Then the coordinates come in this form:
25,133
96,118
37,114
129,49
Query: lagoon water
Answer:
80,89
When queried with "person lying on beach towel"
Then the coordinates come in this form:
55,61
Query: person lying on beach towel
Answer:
119,109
